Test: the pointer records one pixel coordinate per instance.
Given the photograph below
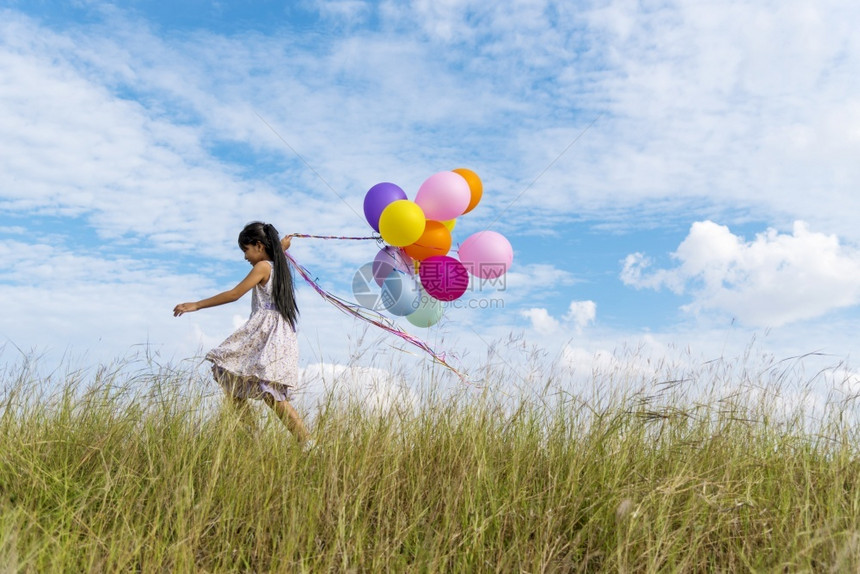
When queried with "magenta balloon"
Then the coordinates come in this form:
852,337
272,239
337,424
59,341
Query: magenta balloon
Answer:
443,277
377,199
486,254
444,195
388,259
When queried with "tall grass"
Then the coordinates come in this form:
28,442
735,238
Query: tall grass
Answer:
104,471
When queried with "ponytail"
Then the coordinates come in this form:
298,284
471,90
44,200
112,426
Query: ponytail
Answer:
283,290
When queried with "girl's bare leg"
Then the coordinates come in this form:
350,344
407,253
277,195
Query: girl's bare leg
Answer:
290,417
240,406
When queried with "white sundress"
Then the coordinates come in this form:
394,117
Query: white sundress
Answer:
260,357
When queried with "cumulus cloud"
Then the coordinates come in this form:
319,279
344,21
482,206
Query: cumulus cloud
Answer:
607,368
772,280
378,390
579,315
541,320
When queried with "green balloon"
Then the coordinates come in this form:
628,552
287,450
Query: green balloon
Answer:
428,312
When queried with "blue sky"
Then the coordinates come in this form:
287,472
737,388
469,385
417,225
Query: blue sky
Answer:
671,174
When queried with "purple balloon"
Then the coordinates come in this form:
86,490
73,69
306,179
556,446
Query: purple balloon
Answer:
443,277
388,259
377,199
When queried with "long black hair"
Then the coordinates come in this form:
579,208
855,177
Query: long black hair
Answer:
283,291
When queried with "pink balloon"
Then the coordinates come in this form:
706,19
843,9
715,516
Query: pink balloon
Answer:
486,254
388,259
443,277
444,195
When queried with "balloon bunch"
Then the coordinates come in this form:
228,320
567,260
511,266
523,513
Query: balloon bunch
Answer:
415,272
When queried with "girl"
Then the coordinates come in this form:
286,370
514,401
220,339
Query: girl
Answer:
260,360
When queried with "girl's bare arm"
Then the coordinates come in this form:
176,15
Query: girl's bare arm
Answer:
260,272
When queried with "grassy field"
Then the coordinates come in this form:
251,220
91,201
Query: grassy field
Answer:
101,471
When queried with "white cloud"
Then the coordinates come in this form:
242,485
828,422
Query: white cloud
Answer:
347,11
69,146
84,150
541,320
528,281
773,280
579,315
377,390
598,365
711,112
105,305
54,299
739,106
733,106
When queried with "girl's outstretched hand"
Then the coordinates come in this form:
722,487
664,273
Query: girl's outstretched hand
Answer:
285,242
184,308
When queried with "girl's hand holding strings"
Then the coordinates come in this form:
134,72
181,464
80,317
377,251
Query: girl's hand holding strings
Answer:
285,242
184,308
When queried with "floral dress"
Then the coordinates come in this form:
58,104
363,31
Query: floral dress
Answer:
262,356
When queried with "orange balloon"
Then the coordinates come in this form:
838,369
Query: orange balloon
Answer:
475,186
436,240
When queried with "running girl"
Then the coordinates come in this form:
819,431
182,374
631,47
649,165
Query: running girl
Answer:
261,359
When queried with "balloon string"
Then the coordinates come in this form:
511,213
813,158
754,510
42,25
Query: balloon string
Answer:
374,237
371,316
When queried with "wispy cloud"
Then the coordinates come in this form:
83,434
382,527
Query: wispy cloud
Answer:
153,141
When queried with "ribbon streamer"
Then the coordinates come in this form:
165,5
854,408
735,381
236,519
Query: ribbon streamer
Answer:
374,237
369,315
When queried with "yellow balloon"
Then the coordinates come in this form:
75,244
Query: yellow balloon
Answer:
450,224
402,223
